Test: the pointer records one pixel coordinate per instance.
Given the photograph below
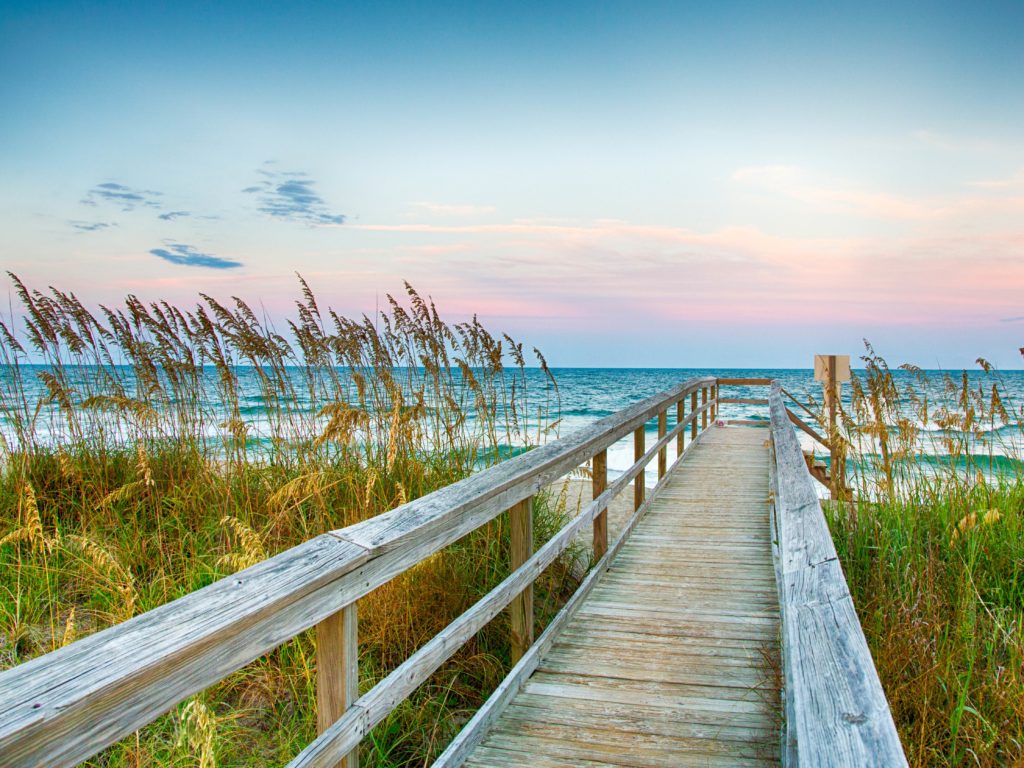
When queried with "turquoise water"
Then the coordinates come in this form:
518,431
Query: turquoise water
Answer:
588,394
583,395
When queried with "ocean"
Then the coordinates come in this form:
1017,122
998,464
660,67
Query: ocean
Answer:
586,394
591,393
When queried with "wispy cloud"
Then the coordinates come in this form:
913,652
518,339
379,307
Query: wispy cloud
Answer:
188,256
1016,180
956,144
1018,319
794,183
172,215
838,196
91,226
605,271
289,195
124,197
447,209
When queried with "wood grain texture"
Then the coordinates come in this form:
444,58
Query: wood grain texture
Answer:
639,487
804,427
521,607
599,482
693,410
343,735
63,707
663,453
680,414
337,671
669,657
837,711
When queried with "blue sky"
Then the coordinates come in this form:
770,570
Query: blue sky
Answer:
619,184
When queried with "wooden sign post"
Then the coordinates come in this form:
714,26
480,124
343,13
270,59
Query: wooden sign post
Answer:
832,371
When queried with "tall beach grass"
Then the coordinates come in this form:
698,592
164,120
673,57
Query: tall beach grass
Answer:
933,550
148,451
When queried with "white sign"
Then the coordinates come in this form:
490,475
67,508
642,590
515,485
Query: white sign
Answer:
842,368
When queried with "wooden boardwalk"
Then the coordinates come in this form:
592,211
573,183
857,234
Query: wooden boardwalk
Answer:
673,658
667,654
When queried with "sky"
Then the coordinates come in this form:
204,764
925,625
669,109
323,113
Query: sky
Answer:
619,184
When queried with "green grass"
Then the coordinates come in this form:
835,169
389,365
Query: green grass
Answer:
933,552
159,487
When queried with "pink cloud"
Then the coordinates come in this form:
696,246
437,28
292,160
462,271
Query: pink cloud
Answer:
843,198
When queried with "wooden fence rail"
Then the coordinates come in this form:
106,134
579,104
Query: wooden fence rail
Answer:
836,710
65,706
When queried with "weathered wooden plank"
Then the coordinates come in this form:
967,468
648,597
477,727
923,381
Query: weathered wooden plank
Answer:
375,705
754,701
481,722
599,482
64,707
337,671
521,607
638,719
639,486
680,415
663,453
805,428
510,481
838,713
662,636
626,747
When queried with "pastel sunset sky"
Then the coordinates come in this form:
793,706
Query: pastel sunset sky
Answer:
624,184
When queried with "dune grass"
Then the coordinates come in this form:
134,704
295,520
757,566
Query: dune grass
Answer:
933,550
149,451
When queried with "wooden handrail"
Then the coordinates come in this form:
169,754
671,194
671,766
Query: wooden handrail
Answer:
63,707
807,410
726,382
377,703
836,710
806,429
475,730
743,400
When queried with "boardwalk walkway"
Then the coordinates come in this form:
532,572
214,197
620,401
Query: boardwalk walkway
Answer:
667,654
672,659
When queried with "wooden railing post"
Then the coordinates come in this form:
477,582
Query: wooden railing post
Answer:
693,410
337,671
639,448
714,402
663,453
835,480
521,608
599,483
704,413
681,437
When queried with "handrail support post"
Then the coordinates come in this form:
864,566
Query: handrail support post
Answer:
599,483
337,671
681,437
521,608
693,415
639,448
663,453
